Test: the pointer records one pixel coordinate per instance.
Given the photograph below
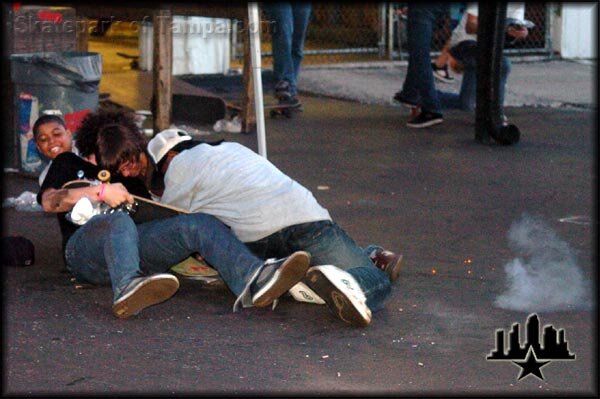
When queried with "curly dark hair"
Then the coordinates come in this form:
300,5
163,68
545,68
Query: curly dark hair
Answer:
86,137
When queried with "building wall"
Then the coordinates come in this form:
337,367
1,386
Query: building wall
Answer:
575,31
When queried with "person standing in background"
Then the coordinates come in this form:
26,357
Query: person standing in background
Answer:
464,56
288,33
418,90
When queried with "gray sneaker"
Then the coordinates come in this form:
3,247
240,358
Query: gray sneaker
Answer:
278,276
342,294
143,292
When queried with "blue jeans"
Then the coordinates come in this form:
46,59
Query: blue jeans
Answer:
419,85
467,97
112,249
288,33
328,244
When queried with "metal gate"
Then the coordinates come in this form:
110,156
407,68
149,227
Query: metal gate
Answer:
340,32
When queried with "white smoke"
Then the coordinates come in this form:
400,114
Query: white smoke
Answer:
545,276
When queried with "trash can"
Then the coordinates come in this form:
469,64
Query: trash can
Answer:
64,83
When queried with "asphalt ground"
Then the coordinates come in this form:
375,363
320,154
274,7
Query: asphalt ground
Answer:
535,82
443,200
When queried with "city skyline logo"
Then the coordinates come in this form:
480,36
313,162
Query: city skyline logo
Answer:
533,355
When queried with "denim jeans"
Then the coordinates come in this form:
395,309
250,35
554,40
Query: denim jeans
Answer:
328,244
419,85
288,33
466,98
112,249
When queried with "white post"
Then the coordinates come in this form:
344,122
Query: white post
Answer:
255,56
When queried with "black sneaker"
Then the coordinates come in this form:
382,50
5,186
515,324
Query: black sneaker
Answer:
399,97
442,73
425,119
277,277
143,292
282,90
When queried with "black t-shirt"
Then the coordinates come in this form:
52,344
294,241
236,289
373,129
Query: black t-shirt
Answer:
65,168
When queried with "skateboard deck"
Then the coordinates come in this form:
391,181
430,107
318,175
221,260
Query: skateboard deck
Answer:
148,210
275,110
134,64
193,267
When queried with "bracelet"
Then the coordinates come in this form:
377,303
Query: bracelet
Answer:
101,193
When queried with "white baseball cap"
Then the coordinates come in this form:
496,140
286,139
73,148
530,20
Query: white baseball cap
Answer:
515,11
165,141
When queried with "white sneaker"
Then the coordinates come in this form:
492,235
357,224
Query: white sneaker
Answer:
341,293
441,73
143,292
302,293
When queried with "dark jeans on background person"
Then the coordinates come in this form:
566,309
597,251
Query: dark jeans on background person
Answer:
288,34
328,244
112,249
419,86
467,97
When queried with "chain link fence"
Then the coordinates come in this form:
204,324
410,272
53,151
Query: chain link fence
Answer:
341,32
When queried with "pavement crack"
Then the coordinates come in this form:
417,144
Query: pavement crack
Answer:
77,381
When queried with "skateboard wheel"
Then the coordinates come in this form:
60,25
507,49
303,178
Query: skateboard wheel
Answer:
104,175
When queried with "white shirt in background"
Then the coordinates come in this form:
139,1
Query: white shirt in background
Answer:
513,10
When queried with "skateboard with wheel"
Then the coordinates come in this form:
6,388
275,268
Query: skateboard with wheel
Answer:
144,210
275,110
141,211
196,268
134,63
286,110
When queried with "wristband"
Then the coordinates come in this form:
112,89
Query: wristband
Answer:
101,192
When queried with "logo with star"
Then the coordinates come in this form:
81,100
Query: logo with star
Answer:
533,355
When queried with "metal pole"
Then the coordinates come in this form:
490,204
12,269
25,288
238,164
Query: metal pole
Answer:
490,43
254,32
233,39
390,30
382,24
548,26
